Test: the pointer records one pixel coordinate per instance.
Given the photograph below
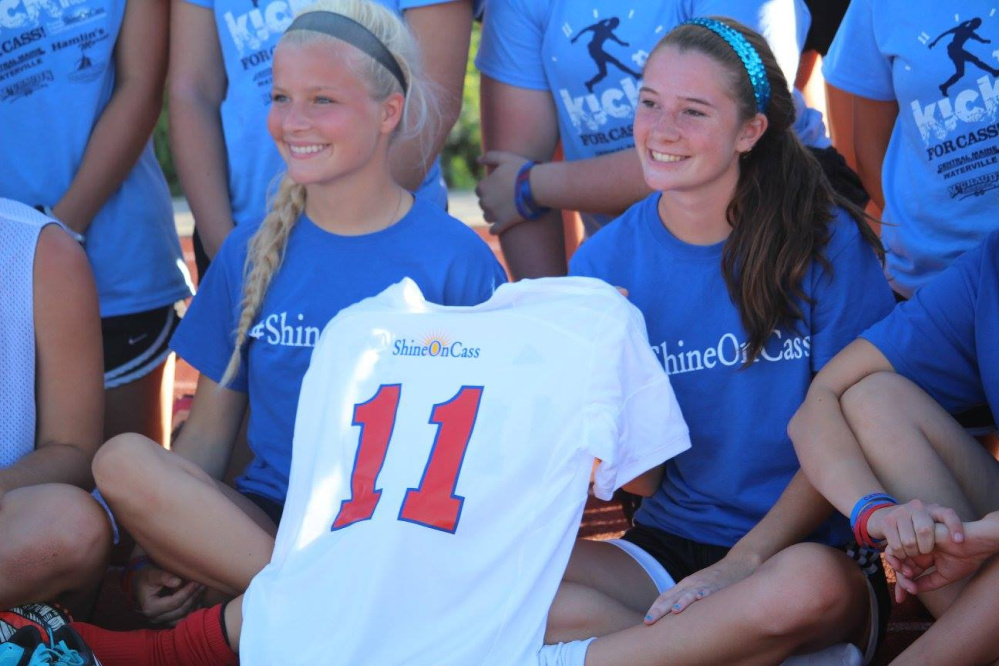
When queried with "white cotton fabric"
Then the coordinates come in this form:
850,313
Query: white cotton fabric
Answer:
566,377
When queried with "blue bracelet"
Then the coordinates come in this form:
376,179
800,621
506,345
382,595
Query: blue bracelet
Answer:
866,501
523,198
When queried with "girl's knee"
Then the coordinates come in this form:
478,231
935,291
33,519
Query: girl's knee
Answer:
121,463
56,531
810,588
869,397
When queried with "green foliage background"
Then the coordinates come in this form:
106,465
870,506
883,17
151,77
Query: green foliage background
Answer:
457,159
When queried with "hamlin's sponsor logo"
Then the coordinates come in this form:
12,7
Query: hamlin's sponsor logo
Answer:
84,40
435,345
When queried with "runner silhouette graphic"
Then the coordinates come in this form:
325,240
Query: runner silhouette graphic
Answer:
602,31
956,52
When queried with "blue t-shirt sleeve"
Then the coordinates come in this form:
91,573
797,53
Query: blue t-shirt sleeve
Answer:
851,297
474,277
931,338
581,266
510,50
206,334
855,63
207,4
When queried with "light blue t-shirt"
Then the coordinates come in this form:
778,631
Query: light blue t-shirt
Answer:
248,33
321,274
742,459
590,55
941,169
57,74
945,337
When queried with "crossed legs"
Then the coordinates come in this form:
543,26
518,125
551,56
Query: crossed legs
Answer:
918,451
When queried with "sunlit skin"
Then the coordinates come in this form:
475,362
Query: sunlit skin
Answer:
689,138
330,131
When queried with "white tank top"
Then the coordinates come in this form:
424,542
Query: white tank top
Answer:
20,226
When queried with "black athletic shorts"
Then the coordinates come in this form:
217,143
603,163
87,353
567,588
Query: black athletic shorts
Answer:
136,344
826,17
272,508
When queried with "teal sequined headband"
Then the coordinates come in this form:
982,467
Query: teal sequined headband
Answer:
747,54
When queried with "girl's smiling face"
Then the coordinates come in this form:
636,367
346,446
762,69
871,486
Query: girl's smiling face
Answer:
323,118
688,129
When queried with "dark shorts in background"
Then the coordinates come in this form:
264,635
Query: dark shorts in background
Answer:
267,505
136,344
826,17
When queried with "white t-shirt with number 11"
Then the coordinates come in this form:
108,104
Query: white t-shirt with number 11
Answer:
441,463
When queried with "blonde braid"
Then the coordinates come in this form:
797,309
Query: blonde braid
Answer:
263,259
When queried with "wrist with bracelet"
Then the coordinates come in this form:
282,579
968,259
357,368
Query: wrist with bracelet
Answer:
523,197
128,574
862,511
46,210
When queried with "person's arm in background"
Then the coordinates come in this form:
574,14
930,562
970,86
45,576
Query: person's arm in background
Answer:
197,87
69,375
443,32
873,122
522,123
123,130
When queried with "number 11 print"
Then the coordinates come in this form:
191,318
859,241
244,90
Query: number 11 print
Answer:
433,503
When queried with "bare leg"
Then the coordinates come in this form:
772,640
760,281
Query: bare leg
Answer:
966,633
803,599
143,406
234,622
56,541
189,523
918,451
603,590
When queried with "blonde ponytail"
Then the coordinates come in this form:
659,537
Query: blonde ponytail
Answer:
263,259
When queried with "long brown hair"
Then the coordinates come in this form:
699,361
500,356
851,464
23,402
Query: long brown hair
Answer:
783,202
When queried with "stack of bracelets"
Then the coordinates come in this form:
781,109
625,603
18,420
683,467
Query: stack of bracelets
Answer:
862,511
523,198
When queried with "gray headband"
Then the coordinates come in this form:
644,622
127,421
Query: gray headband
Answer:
355,34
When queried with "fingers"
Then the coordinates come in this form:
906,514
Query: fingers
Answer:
934,580
674,600
624,292
923,530
950,520
175,615
908,528
661,606
492,158
687,598
498,228
161,594
903,587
